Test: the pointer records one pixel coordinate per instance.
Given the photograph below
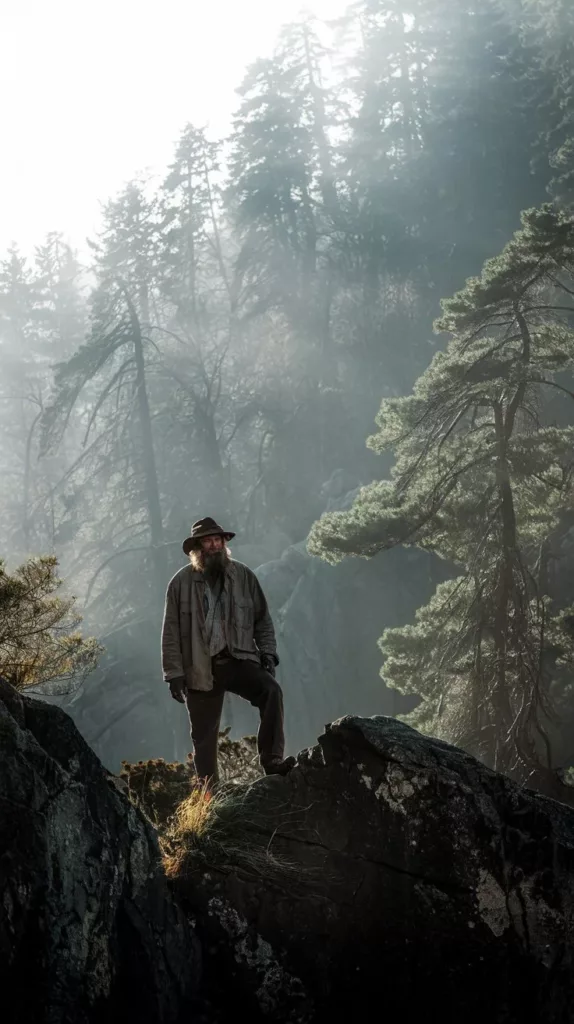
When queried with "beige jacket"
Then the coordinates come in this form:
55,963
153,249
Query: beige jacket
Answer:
184,646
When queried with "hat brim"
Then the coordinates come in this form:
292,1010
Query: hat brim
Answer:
193,542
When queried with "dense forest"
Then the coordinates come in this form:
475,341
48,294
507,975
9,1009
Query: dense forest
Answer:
226,347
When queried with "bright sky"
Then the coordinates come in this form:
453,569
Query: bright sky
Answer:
94,91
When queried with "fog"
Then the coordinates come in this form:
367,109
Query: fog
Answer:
100,91
225,236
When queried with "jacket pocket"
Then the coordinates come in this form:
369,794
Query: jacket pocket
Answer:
244,614
242,625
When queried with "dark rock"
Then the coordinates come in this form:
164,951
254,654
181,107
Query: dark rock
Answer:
387,873
425,887
89,932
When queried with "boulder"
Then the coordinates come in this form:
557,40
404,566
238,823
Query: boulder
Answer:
404,879
388,873
89,931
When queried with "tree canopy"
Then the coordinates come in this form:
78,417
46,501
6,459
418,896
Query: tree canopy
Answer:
40,644
225,345
482,478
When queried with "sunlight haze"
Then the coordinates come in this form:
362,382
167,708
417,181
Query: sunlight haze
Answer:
100,91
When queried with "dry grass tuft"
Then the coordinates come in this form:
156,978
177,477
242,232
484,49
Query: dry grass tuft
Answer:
226,829
225,826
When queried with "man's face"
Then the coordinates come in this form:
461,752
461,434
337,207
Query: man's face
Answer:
213,543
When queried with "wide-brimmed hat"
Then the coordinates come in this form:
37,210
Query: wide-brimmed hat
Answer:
204,528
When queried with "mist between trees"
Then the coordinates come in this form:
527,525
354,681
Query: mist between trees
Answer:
226,350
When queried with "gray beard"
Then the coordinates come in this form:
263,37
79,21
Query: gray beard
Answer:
214,565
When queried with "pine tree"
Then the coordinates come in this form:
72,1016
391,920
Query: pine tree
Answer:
196,274
282,194
58,280
106,379
547,27
478,138
482,479
271,190
128,245
39,640
439,163
205,361
25,348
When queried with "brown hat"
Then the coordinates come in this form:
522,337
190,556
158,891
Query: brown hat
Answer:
204,528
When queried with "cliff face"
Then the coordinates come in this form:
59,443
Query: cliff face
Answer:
88,931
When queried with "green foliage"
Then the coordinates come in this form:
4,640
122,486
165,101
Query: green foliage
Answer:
39,640
373,166
482,481
547,27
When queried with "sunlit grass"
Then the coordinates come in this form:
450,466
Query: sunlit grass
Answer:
226,828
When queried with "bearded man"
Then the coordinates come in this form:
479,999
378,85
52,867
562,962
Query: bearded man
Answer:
218,636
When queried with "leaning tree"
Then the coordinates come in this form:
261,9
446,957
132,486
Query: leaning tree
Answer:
483,479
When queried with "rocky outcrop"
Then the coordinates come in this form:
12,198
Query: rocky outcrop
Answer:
388,872
422,886
89,932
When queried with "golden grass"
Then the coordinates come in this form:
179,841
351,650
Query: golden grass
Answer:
225,829
190,825
192,815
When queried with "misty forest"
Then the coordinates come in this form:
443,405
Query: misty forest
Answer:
345,331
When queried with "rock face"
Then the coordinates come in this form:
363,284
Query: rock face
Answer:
425,886
89,932
387,872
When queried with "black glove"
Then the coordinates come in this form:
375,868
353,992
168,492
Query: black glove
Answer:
268,663
177,689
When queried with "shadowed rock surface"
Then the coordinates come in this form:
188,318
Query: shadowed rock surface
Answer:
388,871
426,885
89,932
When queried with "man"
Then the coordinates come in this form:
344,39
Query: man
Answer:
218,636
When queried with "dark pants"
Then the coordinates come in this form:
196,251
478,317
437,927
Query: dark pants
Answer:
254,684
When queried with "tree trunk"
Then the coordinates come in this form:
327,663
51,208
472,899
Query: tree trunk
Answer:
508,607
501,697
27,480
148,456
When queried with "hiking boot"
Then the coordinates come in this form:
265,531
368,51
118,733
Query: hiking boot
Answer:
276,766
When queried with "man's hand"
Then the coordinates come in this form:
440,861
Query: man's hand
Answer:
268,663
177,689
